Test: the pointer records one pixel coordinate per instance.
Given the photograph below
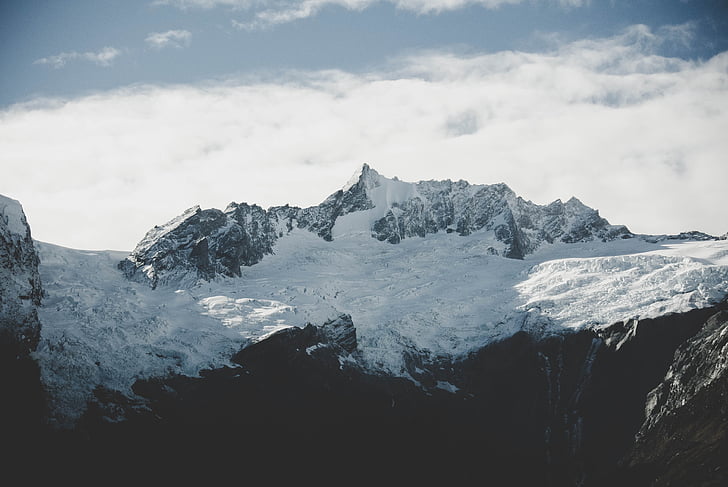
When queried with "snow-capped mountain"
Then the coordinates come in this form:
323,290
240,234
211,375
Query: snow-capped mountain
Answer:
206,243
209,282
388,300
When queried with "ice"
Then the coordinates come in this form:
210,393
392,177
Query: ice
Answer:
252,318
575,292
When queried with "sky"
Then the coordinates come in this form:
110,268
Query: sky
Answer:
117,115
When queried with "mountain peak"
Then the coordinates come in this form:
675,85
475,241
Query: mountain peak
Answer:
575,202
365,177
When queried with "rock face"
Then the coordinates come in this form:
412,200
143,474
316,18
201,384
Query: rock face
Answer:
340,332
464,208
20,288
201,244
684,439
22,404
698,363
335,338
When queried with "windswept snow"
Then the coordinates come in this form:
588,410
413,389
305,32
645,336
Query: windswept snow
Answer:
444,294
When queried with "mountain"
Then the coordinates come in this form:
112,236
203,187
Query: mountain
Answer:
19,282
429,331
20,328
201,244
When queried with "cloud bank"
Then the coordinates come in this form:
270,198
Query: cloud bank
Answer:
639,136
170,38
105,57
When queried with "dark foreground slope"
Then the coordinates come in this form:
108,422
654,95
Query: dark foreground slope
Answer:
549,411
685,438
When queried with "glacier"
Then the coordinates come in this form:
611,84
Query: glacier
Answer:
444,295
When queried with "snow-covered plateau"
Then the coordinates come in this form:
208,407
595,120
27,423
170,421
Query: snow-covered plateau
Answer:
444,294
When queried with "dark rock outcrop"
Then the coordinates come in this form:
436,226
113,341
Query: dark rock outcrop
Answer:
340,332
692,235
684,439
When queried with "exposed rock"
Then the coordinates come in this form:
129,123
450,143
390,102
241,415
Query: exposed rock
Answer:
684,438
698,363
341,331
336,336
521,225
692,235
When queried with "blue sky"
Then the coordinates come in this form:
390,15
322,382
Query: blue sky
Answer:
335,37
121,114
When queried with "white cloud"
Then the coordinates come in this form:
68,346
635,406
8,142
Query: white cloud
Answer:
267,13
170,38
105,57
639,136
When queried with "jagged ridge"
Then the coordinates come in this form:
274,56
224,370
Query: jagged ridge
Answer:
200,244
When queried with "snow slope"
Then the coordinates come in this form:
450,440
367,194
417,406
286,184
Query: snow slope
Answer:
444,294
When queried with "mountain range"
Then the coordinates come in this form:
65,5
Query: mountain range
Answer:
423,331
